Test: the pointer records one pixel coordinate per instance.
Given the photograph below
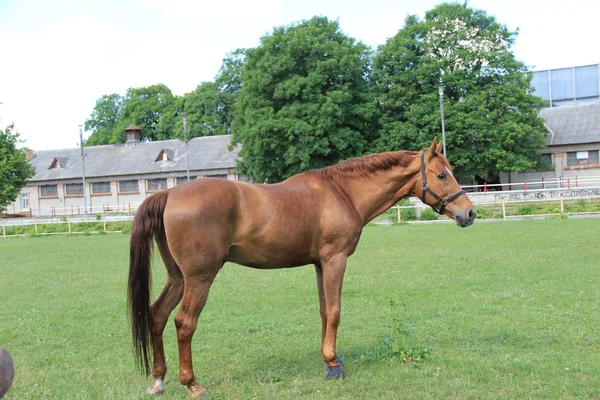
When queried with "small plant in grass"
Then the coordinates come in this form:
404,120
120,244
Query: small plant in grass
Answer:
428,215
396,345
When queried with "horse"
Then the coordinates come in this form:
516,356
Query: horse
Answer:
315,217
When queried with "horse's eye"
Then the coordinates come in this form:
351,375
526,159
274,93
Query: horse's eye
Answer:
442,176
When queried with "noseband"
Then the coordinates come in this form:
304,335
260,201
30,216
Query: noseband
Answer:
443,201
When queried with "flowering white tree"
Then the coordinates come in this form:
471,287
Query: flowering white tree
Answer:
491,119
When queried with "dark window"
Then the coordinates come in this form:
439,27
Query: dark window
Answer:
129,186
220,176
101,187
157,184
48,190
74,188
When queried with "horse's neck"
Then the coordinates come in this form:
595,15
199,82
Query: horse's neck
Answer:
374,194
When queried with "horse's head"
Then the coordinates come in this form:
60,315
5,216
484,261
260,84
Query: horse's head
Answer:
439,188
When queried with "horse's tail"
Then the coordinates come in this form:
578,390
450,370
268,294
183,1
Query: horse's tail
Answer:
147,225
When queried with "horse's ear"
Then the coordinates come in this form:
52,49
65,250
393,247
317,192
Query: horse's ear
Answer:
432,149
438,149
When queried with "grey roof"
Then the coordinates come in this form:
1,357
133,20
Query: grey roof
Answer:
206,153
572,125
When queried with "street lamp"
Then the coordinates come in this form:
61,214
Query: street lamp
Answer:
85,210
441,87
187,153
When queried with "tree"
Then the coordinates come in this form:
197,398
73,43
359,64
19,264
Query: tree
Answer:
145,107
490,116
104,120
14,168
305,101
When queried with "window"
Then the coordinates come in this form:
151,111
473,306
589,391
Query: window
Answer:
74,188
183,179
129,186
547,158
101,187
49,191
582,157
220,176
24,201
157,184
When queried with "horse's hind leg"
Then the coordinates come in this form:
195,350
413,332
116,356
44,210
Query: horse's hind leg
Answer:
160,311
198,280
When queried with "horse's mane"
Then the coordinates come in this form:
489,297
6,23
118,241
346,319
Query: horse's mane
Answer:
366,165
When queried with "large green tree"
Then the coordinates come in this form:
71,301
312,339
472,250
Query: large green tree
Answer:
490,116
145,107
104,120
14,168
305,101
210,109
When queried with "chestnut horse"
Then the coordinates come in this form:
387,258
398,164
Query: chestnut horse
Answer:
311,218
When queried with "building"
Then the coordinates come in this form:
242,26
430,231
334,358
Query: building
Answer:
119,177
572,122
573,150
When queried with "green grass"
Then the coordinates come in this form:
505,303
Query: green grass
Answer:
499,310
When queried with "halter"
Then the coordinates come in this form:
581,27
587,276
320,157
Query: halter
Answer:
443,201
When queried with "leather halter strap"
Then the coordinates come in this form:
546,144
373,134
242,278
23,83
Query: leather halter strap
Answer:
444,201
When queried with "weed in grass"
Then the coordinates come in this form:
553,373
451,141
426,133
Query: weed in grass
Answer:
396,344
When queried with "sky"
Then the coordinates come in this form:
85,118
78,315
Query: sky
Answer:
57,57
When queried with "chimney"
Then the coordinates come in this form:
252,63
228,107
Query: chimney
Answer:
133,135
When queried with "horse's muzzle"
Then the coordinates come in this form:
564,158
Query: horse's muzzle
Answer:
466,219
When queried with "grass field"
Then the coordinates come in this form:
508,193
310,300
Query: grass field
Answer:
506,310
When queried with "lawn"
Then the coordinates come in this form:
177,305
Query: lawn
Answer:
498,310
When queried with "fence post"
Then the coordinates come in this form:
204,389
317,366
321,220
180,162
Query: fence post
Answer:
562,206
3,230
69,223
568,183
35,226
104,223
503,209
399,214
525,185
484,187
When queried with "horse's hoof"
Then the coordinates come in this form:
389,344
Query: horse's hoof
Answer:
334,372
339,361
155,390
197,391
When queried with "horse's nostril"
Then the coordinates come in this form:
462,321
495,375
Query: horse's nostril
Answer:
472,214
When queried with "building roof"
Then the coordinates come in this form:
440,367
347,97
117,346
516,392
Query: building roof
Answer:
572,125
206,153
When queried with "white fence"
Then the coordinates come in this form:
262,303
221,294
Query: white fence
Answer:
503,204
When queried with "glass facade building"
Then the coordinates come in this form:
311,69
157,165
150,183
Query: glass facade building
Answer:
568,86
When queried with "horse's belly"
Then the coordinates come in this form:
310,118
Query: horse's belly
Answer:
269,257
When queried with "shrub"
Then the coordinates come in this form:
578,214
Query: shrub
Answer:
428,215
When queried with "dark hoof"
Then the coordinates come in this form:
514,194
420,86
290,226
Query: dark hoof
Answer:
334,372
339,361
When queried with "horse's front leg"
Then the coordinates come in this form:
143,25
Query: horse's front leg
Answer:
330,282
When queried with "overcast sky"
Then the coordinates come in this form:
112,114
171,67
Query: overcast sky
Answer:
57,57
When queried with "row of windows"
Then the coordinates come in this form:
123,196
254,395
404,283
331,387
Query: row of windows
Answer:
104,187
575,158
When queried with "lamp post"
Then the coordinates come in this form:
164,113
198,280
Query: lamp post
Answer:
85,211
441,87
187,153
